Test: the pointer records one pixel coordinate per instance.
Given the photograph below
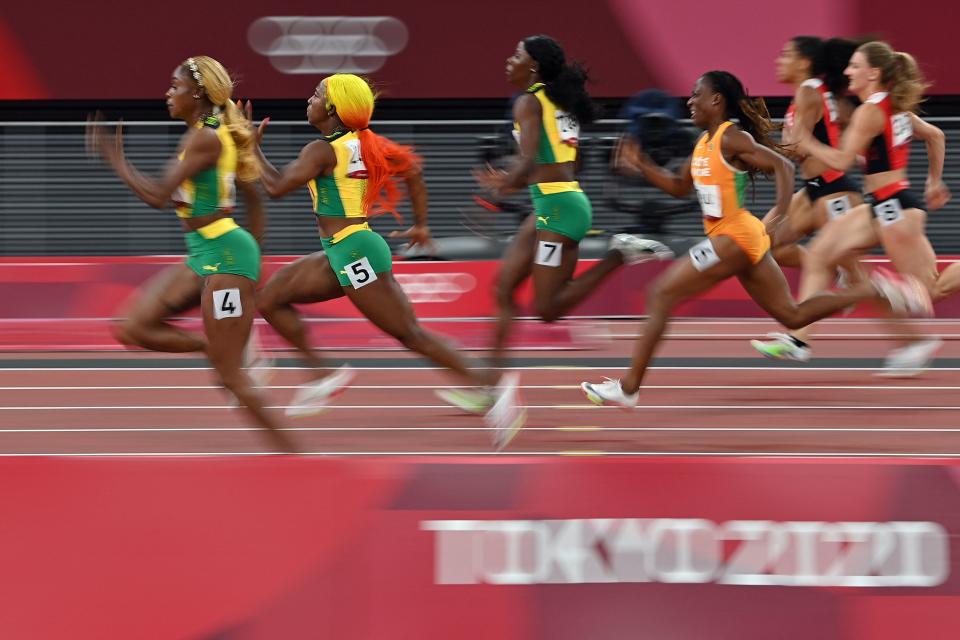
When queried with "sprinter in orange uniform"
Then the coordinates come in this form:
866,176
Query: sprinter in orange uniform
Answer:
737,244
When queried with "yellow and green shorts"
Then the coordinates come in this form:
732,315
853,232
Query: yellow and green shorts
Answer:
562,207
223,247
357,254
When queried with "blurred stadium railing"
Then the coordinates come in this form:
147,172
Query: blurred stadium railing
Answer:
54,200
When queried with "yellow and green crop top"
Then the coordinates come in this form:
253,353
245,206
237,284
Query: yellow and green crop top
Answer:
341,194
212,189
559,130
721,187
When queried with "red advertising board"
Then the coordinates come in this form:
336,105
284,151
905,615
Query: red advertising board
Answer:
286,547
429,48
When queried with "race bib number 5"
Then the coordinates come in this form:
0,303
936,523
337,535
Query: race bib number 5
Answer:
360,273
226,304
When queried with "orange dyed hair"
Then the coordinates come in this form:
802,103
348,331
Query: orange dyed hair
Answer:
384,158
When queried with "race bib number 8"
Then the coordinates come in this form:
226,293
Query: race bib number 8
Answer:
548,253
889,211
226,304
703,255
837,207
360,273
709,196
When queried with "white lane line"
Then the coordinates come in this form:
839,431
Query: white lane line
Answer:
590,428
427,454
666,387
566,407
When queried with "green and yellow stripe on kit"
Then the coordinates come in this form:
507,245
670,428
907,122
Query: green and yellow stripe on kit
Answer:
562,207
559,130
357,253
223,247
212,189
340,195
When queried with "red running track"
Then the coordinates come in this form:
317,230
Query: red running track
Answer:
748,409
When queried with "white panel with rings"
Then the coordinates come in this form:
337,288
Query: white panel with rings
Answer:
549,253
889,211
836,207
226,304
703,256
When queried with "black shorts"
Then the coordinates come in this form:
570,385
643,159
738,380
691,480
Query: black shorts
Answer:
890,209
817,188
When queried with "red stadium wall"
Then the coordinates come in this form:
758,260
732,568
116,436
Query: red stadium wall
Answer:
279,547
450,51
65,303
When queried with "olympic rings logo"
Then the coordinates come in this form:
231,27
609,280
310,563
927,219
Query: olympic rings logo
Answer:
327,44
435,287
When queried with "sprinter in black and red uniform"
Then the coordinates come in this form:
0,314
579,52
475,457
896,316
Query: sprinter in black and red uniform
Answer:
815,68
890,85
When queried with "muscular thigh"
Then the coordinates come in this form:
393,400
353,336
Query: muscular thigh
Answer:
908,247
228,307
706,264
852,233
308,279
555,259
174,290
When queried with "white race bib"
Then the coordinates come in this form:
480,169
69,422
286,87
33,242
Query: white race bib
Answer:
226,304
549,253
703,255
568,128
355,166
709,196
902,127
889,211
836,207
360,273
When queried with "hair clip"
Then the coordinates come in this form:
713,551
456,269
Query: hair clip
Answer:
195,72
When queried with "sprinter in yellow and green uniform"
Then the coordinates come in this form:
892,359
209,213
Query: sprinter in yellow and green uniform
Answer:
351,174
726,158
223,264
547,119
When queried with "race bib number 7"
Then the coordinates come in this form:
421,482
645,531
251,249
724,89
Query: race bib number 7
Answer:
549,253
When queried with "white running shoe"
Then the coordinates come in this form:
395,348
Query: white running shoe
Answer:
911,360
314,397
476,401
507,415
907,295
609,392
259,366
636,250
781,347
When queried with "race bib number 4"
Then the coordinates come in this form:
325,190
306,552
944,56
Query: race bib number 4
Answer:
549,253
360,273
703,255
226,304
709,197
